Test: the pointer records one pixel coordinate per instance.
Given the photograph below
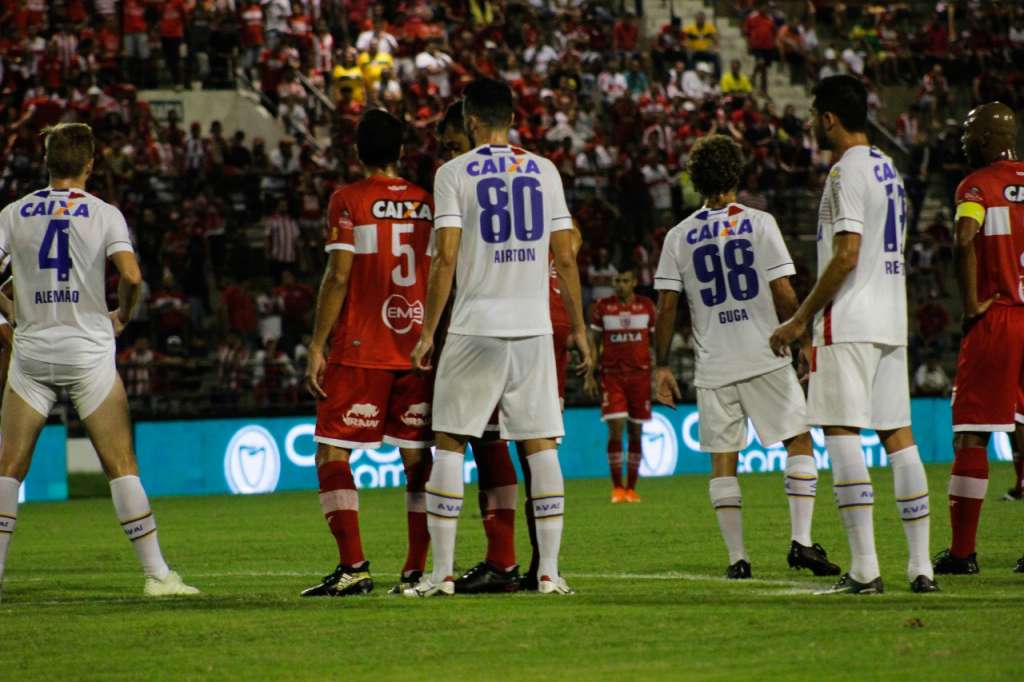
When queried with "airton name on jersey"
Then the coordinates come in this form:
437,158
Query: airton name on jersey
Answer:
409,210
502,164
54,207
719,228
57,296
515,255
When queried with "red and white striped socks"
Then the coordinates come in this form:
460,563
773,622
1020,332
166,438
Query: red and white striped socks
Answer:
340,504
967,488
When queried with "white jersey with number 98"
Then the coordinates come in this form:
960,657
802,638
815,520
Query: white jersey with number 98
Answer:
59,241
507,203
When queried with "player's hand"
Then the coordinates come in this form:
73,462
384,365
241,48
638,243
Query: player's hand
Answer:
119,325
666,389
316,365
803,369
422,353
972,317
590,386
784,336
582,341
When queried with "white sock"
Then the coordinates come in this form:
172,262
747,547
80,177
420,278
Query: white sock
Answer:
547,493
728,504
9,488
855,498
445,490
801,486
132,508
911,487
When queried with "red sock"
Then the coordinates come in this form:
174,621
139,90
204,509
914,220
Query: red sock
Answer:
497,478
1018,467
416,515
615,461
967,488
635,457
340,503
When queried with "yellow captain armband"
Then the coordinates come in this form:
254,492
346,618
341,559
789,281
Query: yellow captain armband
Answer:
971,209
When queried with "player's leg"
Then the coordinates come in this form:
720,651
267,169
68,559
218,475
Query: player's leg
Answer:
616,428
408,426
614,410
530,413
723,432
351,416
839,399
530,577
1016,493
638,398
801,483
109,427
470,375
21,424
496,477
891,419
984,401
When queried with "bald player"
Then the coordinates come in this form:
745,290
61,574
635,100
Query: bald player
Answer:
989,387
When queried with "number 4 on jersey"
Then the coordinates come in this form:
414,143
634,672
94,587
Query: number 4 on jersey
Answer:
56,238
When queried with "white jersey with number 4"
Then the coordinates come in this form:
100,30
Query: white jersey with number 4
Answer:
724,261
59,242
864,194
507,202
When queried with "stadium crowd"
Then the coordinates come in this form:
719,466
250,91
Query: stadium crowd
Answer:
229,231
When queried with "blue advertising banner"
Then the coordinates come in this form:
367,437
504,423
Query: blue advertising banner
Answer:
47,479
241,456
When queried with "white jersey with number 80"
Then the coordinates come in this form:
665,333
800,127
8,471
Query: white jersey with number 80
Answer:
507,203
59,242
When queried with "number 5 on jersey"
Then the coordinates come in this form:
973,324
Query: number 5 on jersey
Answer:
56,240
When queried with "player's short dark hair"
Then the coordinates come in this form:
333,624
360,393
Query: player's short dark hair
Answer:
69,148
453,118
715,165
379,138
489,100
844,96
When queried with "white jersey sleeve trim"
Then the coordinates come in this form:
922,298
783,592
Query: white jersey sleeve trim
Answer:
848,225
450,220
668,284
340,247
117,247
781,270
561,223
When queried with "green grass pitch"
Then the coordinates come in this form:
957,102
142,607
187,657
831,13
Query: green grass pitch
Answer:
650,602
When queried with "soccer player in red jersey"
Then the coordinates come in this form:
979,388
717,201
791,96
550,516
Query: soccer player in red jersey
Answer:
371,305
621,327
990,371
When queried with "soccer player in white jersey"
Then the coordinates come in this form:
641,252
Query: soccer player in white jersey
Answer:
859,377
498,209
60,239
733,266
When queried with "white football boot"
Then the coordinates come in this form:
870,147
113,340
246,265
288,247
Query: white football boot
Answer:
556,585
171,586
428,588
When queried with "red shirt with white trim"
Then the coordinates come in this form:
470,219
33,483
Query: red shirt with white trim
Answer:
386,222
994,196
626,329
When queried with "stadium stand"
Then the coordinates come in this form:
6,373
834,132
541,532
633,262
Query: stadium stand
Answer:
228,226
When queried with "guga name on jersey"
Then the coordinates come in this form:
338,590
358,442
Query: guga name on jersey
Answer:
401,210
719,228
54,207
502,164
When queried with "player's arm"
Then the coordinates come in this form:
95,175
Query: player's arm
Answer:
572,295
590,386
129,288
6,304
845,252
666,389
786,305
329,302
447,241
969,220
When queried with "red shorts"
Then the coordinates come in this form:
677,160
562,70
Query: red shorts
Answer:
365,407
561,342
626,395
989,390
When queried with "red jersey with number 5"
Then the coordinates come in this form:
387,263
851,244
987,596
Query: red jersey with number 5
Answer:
626,330
994,196
386,223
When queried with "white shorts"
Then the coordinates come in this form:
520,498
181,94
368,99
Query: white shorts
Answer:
477,373
774,402
862,385
37,383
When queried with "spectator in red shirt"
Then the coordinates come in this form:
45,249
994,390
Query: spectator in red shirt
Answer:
625,33
136,40
298,298
238,308
760,31
173,14
251,35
